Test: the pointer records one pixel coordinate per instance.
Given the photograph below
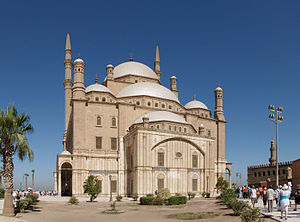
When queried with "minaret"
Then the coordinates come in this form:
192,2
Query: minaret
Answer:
157,62
173,85
78,88
272,159
109,71
219,113
68,80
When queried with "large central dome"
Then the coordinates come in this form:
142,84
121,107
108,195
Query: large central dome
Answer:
133,68
148,89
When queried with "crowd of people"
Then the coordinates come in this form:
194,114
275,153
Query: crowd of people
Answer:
281,196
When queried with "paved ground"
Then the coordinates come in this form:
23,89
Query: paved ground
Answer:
57,209
293,216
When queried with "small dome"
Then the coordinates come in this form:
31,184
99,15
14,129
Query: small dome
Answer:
162,116
148,89
65,152
218,89
97,88
173,77
195,104
134,68
79,60
109,66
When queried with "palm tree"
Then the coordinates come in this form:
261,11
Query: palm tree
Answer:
26,175
32,178
1,174
13,128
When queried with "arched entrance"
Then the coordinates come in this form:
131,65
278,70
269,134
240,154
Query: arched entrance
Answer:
66,179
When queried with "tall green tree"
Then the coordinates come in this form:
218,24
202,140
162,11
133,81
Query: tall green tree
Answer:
222,184
13,130
92,186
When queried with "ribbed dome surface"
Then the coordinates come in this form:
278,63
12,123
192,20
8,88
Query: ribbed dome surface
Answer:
148,89
195,104
97,88
162,116
134,68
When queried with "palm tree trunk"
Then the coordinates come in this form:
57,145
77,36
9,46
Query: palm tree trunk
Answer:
8,208
32,180
26,183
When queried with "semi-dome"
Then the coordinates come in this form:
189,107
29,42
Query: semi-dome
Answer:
97,88
162,116
78,60
148,89
134,68
195,104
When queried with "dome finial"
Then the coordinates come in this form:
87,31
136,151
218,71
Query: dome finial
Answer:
96,78
130,59
78,55
194,96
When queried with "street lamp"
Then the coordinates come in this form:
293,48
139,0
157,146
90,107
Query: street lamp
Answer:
110,198
276,118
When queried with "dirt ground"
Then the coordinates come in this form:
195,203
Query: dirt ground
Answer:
132,211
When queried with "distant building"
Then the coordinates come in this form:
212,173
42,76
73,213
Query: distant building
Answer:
135,136
296,173
265,174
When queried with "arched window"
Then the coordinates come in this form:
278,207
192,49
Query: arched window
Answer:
160,158
96,99
103,99
113,122
195,183
98,120
195,161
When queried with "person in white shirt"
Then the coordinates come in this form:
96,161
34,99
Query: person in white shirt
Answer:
253,196
284,200
270,198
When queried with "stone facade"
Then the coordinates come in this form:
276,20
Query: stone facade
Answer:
135,136
296,173
265,174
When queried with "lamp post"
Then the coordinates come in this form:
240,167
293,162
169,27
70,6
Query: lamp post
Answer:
276,118
110,197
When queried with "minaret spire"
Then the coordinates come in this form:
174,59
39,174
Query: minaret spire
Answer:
157,62
157,53
68,42
67,85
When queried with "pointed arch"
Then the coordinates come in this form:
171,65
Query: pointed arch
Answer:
180,139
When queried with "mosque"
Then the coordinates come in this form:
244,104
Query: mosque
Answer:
135,136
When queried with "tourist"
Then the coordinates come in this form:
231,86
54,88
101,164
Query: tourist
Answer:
290,190
253,196
297,197
264,197
156,192
245,192
279,205
260,191
241,192
270,198
284,200
258,194
276,195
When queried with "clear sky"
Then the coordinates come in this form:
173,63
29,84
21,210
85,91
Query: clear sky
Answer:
252,48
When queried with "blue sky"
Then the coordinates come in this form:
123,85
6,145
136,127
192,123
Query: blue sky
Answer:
252,48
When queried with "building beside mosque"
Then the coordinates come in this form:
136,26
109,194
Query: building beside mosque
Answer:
265,174
135,136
